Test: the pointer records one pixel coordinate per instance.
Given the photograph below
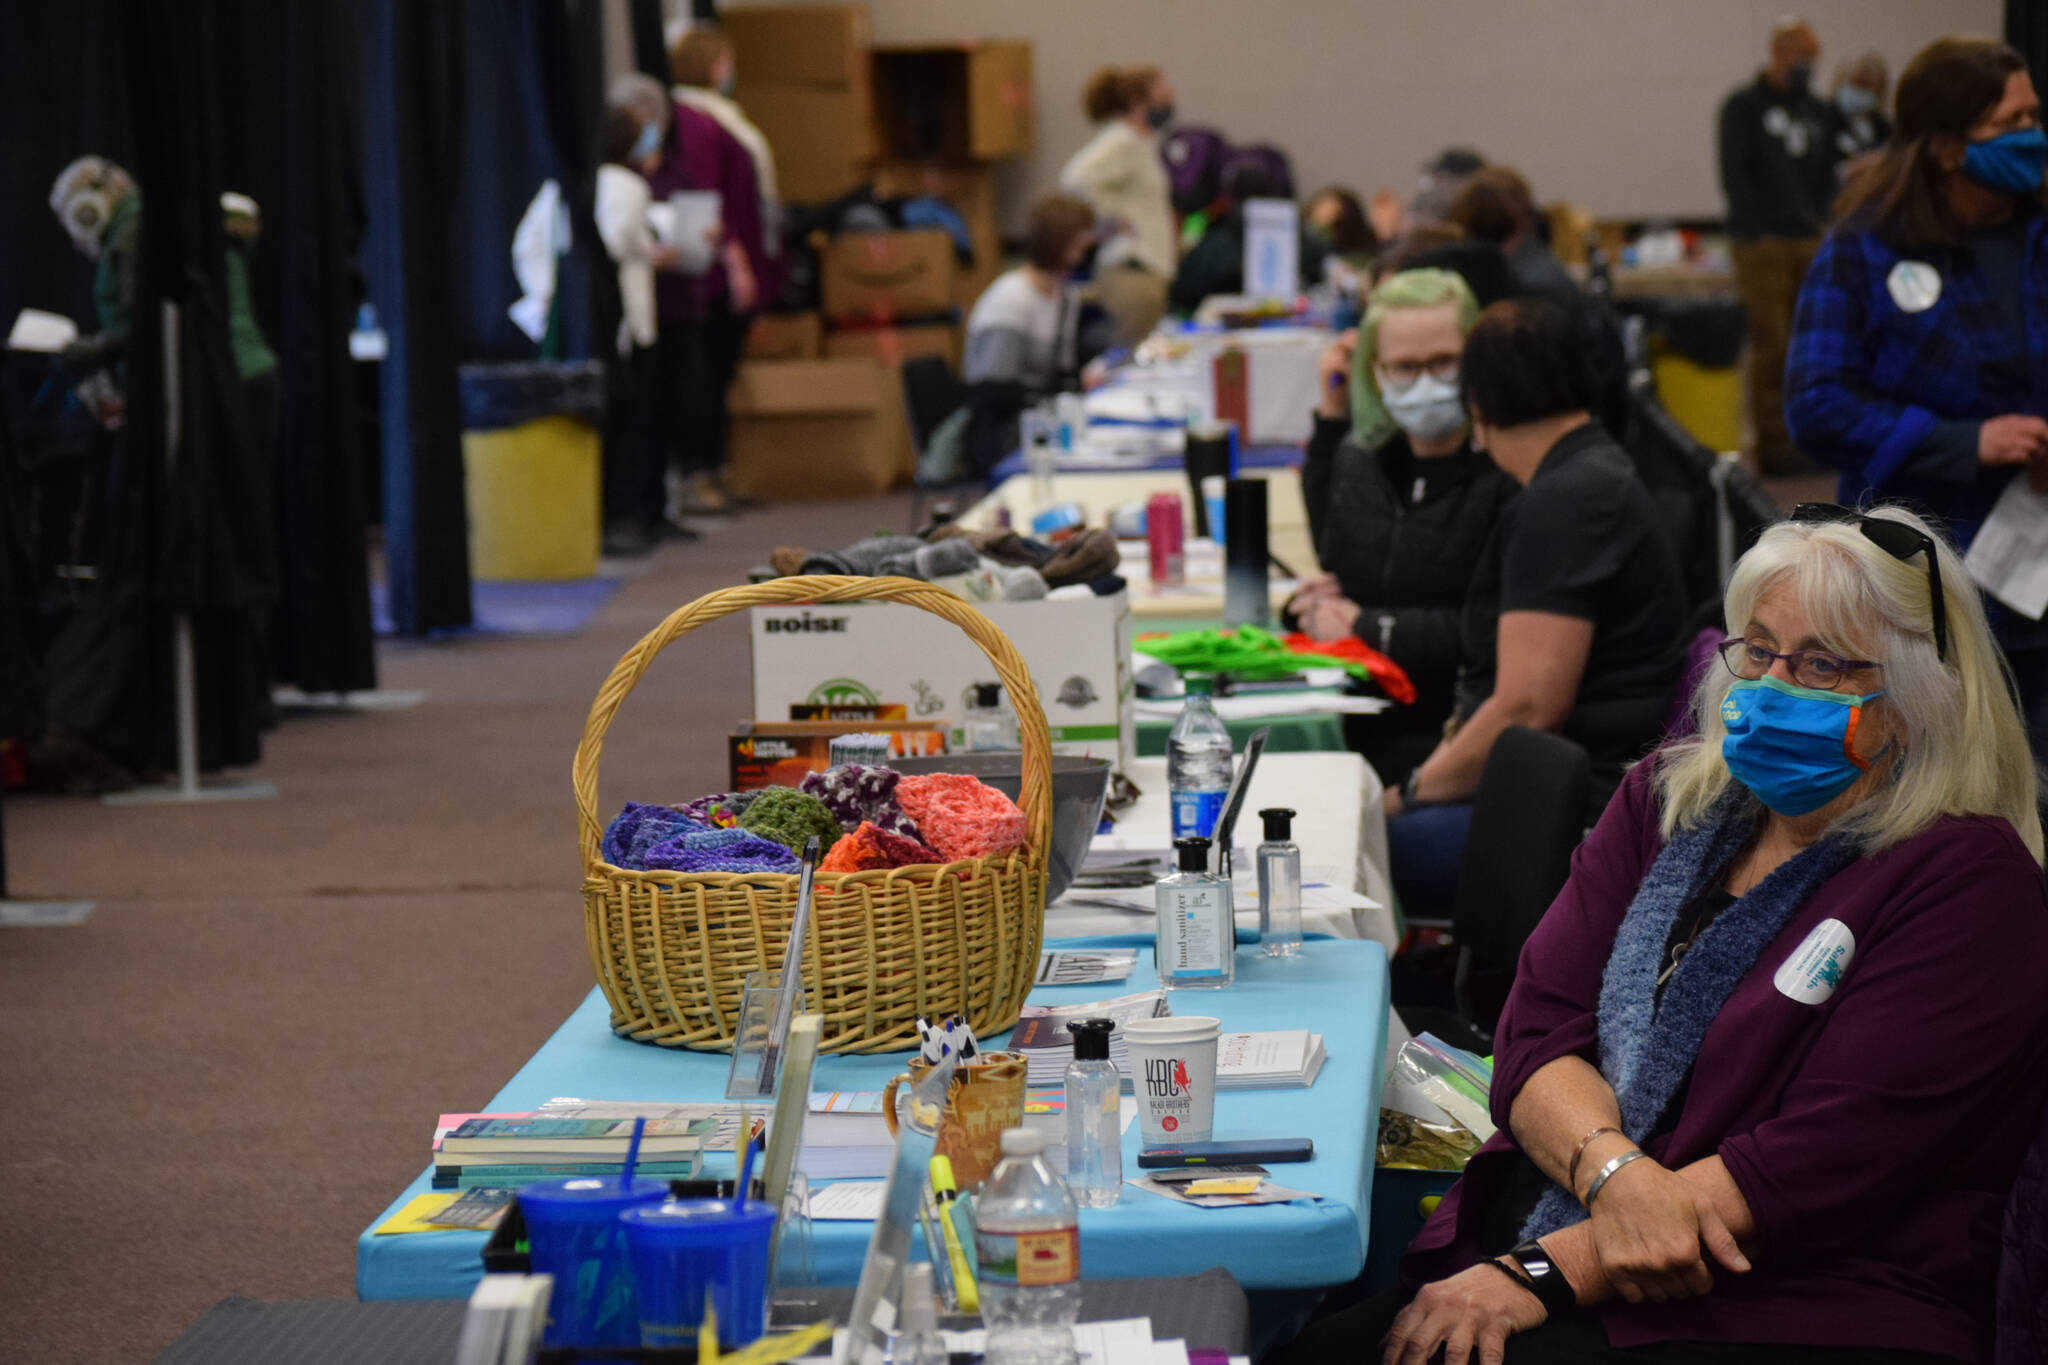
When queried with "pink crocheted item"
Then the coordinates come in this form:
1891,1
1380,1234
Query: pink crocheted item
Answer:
961,816
870,847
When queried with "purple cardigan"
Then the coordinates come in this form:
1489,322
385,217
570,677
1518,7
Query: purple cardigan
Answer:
1874,1135
703,156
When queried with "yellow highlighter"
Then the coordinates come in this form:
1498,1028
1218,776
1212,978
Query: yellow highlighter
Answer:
943,1185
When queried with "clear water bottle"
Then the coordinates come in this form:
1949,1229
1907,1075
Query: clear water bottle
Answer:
1027,1239
1197,764
1279,885
1095,1158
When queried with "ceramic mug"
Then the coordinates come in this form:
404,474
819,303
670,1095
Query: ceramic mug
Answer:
986,1097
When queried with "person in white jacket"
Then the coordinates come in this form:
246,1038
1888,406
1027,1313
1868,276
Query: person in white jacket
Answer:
1120,174
633,468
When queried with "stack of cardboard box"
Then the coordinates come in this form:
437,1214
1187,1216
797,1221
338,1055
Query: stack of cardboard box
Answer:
914,120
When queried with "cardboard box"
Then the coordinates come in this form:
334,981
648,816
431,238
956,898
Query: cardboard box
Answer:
894,345
1079,652
882,276
1266,383
817,429
971,190
821,136
959,101
779,753
798,45
786,336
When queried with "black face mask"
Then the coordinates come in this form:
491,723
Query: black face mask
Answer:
1159,115
1799,78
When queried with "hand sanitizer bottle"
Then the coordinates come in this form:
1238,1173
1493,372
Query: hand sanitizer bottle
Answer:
1095,1161
1279,886
1197,940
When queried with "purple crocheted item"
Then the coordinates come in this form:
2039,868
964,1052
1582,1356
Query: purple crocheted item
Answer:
639,828
733,804
720,850
854,792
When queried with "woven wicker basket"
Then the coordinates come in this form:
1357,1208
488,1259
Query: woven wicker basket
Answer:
672,950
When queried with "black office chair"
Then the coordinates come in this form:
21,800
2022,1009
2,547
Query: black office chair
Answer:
932,392
1528,815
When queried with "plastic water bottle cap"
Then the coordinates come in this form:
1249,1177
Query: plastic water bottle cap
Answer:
1200,684
1023,1142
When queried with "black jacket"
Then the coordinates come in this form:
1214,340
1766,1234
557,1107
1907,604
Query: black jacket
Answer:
1777,161
1403,536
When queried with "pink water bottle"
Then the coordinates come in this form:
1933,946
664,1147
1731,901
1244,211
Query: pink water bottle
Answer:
1163,535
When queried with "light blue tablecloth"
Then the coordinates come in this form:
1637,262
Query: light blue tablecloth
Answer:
1338,988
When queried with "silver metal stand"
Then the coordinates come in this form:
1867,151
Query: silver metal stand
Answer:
188,789
16,914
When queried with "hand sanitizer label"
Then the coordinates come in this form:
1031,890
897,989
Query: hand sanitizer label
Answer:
1196,920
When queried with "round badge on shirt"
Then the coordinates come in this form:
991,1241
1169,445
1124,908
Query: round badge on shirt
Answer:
1914,285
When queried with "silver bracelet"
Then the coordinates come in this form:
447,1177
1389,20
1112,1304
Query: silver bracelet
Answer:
1606,1173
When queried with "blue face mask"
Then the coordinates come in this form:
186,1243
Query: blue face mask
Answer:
2013,162
648,144
1792,746
1855,100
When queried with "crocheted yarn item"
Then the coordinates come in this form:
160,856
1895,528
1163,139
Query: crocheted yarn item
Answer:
789,817
961,816
869,848
857,793
720,850
637,829
721,811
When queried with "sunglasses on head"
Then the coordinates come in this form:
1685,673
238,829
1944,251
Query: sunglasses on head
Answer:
1896,539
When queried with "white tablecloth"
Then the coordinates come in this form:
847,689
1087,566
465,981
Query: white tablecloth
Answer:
1339,823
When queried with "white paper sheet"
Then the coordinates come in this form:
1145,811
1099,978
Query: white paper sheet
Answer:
36,330
2009,557
848,1201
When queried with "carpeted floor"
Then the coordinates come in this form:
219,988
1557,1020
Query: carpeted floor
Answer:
213,1084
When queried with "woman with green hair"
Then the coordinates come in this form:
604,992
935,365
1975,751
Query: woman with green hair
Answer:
1399,503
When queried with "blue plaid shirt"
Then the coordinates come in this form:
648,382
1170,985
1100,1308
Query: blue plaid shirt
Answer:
1868,385
1890,398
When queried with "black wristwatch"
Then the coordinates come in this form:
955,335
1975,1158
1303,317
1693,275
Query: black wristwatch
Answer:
1546,1281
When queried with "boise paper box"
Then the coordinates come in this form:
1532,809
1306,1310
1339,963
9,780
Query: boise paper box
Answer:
1079,652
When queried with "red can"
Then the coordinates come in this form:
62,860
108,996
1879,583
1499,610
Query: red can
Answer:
1163,535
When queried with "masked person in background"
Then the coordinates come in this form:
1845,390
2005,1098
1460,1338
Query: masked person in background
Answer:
1399,503
1120,174
100,209
1773,1059
1576,614
1919,363
1860,124
1778,171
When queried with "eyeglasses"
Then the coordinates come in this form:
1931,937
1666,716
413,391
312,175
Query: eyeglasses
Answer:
1896,539
1814,668
1400,374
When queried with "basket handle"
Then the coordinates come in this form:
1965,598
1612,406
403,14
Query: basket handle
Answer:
1036,788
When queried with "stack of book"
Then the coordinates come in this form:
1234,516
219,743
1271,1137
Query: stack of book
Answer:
506,1151
1261,1061
1047,1046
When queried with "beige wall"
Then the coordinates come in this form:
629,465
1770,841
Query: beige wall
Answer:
1607,103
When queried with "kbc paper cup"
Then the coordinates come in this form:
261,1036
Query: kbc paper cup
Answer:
1173,1068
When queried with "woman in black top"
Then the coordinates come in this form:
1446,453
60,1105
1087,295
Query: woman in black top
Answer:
1576,618
1399,503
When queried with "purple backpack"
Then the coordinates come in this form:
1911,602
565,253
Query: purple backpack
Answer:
1194,166
1267,163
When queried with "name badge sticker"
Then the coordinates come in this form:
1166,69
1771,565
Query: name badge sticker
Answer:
1816,966
1914,285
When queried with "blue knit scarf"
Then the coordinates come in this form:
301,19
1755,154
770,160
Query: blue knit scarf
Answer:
1647,1046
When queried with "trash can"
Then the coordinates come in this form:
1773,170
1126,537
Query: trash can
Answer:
531,448
1695,344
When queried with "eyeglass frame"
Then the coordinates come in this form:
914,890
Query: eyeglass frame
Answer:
1433,367
1795,658
1907,541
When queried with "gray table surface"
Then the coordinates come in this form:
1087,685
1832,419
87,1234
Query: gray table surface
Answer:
1207,1310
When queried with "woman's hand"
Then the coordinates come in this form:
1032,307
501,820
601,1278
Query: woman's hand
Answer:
1333,377
1477,1309
1328,618
1652,1228
739,279
2012,439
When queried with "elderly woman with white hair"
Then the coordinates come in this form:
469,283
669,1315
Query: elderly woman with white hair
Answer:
1774,1056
